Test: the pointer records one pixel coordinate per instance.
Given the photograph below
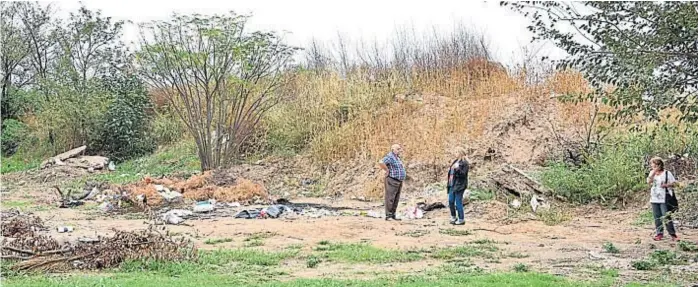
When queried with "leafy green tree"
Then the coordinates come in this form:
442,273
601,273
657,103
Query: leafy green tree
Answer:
646,51
126,121
219,78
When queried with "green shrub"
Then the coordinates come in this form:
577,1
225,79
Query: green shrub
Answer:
13,132
126,122
611,248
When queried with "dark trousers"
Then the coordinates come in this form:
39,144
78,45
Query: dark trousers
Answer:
660,214
392,196
455,203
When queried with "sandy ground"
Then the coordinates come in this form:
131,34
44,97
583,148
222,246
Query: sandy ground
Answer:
570,248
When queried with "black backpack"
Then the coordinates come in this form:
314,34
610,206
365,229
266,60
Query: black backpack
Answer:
672,203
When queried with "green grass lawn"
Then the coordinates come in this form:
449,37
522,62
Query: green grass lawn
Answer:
259,279
256,267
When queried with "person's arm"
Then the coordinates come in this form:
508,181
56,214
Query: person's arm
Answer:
671,181
650,177
462,172
383,163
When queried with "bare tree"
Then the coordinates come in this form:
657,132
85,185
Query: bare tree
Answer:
219,78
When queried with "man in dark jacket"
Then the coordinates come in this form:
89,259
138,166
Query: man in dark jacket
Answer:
457,183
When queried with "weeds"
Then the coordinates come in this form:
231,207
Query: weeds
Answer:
520,267
455,232
312,261
414,233
610,248
356,253
554,216
688,246
214,241
518,255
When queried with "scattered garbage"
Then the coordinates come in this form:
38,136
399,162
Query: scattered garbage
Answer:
534,203
171,218
111,166
170,196
248,214
374,214
429,207
203,207
413,213
233,204
63,229
515,203
106,206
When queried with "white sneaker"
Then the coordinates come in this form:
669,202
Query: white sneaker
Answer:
453,219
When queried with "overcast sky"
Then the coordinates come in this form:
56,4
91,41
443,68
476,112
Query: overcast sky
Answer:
367,19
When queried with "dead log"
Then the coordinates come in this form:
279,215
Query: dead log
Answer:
64,156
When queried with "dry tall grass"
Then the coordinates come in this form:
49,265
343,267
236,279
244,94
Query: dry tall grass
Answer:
428,116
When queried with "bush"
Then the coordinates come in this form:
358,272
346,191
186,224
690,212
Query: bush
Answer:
620,167
126,122
13,132
610,174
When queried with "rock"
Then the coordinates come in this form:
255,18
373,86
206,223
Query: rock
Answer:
86,162
91,169
64,156
233,204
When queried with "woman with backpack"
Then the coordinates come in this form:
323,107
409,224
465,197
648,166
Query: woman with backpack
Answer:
661,182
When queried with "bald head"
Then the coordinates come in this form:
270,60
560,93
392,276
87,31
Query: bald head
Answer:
396,149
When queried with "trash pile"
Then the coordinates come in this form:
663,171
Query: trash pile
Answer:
209,185
73,158
26,249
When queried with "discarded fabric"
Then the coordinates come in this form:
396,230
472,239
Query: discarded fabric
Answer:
413,213
430,207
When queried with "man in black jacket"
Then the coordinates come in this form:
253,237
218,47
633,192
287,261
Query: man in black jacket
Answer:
457,183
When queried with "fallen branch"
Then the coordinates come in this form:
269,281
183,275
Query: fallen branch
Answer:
15,257
48,252
30,266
